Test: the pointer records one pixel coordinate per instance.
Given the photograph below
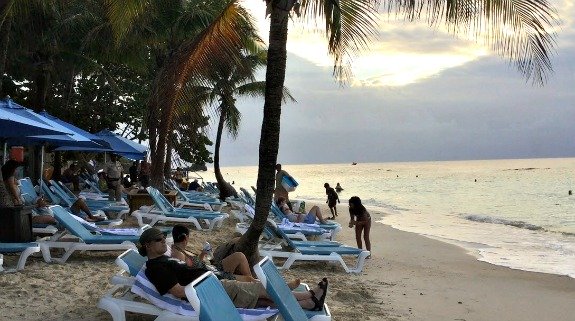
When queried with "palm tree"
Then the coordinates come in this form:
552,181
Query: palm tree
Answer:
220,28
519,30
227,83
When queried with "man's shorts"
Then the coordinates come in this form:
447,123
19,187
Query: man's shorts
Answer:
243,294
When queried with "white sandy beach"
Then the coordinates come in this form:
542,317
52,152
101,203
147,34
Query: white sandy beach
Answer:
410,277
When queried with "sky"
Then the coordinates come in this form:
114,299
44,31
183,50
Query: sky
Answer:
418,94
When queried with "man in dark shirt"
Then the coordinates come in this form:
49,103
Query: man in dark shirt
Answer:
170,275
194,185
332,198
133,173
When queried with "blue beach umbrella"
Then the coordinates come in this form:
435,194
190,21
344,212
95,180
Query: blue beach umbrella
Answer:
123,146
99,146
55,139
13,123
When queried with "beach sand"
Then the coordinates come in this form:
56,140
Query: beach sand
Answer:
409,277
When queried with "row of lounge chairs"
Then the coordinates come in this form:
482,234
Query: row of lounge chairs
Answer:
204,292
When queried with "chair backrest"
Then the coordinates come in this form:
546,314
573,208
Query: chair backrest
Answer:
273,229
277,212
53,198
28,192
73,226
61,192
247,196
65,188
160,200
131,262
94,187
279,291
208,296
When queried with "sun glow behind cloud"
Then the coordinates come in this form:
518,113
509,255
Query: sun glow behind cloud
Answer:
407,52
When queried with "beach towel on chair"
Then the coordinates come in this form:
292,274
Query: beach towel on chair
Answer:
144,288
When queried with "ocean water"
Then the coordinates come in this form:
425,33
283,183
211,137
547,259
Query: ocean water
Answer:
513,213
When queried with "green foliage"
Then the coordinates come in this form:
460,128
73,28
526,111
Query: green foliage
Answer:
190,141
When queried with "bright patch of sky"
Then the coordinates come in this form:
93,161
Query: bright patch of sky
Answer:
418,93
397,57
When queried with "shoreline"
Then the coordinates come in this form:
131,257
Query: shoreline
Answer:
410,277
420,278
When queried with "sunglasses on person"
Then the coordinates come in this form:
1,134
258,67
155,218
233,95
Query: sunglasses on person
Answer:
159,238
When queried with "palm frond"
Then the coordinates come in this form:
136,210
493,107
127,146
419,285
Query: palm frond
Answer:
521,30
218,43
349,24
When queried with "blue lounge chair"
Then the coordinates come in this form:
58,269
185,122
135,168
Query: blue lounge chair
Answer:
313,251
294,230
332,226
187,199
25,250
163,211
280,293
131,284
103,205
67,202
207,295
87,239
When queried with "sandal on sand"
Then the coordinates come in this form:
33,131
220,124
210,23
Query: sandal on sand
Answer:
318,303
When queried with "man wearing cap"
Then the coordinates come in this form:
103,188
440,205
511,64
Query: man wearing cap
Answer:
114,171
171,275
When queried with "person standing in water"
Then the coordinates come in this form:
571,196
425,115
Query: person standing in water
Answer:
338,188
332,198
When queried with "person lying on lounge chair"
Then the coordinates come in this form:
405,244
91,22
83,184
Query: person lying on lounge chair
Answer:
80,208
308,218
41,214
233,267
170,275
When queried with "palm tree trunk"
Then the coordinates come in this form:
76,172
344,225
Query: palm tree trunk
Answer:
168,163
222,184
269,138
4,41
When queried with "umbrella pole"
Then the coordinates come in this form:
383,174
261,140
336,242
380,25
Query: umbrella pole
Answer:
41,169
5,154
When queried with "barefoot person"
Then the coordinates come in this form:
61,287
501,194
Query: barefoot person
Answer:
170,275
361,219
308,218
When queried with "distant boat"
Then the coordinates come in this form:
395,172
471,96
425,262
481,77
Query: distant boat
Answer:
354,163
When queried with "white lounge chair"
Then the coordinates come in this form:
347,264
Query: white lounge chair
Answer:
131,286
87,240
278,290
313,251
165,212
25,250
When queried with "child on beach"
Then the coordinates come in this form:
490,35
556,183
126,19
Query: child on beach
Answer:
361,219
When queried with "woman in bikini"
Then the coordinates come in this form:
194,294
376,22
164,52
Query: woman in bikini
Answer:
360,218
233,267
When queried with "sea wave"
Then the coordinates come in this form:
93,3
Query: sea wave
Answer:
494,220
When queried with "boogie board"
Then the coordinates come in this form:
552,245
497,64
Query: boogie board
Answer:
289,183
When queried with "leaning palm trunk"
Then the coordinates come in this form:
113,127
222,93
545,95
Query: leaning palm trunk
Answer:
269,138
222,184
4,40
